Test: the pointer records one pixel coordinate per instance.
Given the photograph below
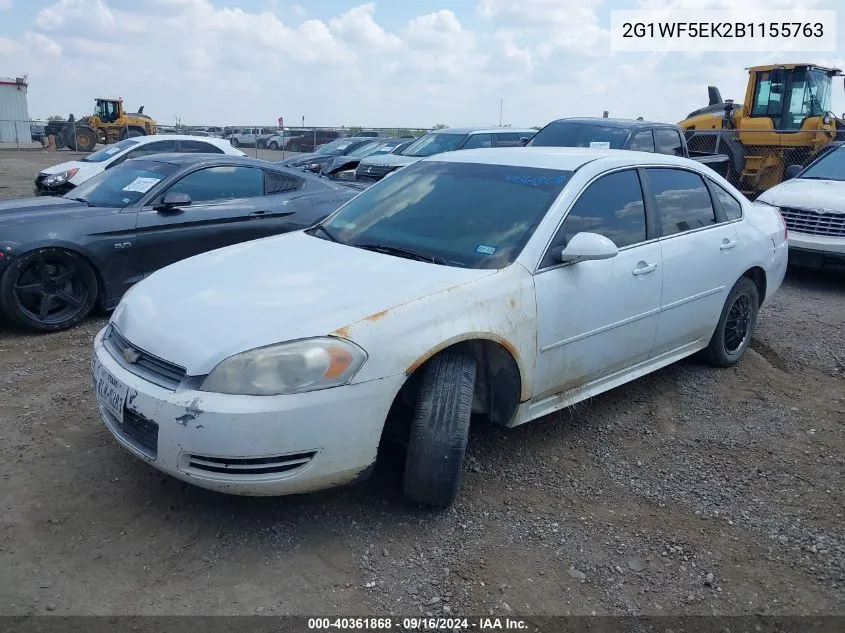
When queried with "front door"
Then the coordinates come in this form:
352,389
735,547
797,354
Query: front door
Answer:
226,208
598,317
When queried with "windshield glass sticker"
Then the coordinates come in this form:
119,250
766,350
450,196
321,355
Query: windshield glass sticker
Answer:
536,180
112,150
141,184
599,144
485,250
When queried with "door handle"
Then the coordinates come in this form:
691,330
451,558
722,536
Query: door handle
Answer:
644,269
257,215
728,244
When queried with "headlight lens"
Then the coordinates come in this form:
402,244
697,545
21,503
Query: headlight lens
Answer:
57,179
347,174
306,365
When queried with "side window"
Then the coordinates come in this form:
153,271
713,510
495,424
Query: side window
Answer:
199,147
152,148
642,142
668,142
506,139
683,202
732,208
221,183
275,182
478,140
612,206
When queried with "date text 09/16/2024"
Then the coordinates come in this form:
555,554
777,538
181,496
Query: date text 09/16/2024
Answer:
417,624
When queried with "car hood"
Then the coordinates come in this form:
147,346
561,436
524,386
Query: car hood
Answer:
199,311
390,159
71,164
44,207
801,193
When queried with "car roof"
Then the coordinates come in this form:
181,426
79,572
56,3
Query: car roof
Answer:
180,137
620,123
561,158
477,130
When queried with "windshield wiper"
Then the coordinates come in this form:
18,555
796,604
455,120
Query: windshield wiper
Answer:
326,232
88,202
401,252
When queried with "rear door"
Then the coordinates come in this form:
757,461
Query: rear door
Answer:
701,256
228,206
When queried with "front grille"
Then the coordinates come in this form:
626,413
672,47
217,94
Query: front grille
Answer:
814,223
373,172
136,430
156,370
248,467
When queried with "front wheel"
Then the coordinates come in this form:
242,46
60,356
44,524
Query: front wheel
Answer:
48,290
440,429
274,145
736,325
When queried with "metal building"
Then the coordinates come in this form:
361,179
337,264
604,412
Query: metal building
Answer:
14,112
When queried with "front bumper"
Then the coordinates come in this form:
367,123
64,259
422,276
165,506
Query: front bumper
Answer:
250,445
816,251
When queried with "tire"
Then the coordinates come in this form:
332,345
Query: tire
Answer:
84,139
48,290
274,145
439,430
234,142
736,325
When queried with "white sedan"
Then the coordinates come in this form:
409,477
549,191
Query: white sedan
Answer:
61,178
812,203
509,283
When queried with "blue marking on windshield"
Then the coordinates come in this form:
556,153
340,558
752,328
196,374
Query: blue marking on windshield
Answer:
536,181
485,250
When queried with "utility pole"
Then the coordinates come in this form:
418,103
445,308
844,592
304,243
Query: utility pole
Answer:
501,105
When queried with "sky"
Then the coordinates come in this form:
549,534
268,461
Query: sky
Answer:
383,63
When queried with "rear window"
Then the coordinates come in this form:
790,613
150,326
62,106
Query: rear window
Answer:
458,214
572,134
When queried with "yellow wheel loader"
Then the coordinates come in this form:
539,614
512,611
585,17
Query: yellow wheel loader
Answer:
784,120
109,123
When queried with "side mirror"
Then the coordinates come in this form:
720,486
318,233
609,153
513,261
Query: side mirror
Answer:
588,246
523,141
172,201
793,170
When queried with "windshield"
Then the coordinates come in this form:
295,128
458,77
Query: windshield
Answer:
109,150
831,166
335,148
376,147
433,143
574,134
122,185
460,214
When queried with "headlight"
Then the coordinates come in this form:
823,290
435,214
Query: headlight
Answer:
57,179
347,174
306,365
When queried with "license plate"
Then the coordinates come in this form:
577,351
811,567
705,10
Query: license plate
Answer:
109,391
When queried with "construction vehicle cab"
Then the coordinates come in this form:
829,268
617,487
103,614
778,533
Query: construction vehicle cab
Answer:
784,119
108,124
108,110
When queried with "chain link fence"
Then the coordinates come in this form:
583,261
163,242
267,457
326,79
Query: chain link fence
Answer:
759,160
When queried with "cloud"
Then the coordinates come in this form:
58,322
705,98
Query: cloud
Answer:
5,5
358,26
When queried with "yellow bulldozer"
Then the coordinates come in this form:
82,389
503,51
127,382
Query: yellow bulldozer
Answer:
784,120
109,123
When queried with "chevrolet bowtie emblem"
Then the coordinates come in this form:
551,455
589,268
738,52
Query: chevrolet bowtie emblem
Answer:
130,355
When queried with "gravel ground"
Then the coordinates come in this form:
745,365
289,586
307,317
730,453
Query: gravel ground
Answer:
690,491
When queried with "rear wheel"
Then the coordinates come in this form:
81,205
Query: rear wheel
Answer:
83,139
440,429
736,325
48,290
274,145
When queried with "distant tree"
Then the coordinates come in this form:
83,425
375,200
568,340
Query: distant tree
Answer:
55,117
418,132
439,126
354,130
403,132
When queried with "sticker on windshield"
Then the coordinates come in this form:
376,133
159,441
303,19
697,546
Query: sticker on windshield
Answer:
113,150
599,144
141,184
485,250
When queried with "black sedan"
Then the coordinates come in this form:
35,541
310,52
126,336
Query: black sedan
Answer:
325,153
61,257
343,167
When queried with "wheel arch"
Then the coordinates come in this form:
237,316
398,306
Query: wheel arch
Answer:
758,276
